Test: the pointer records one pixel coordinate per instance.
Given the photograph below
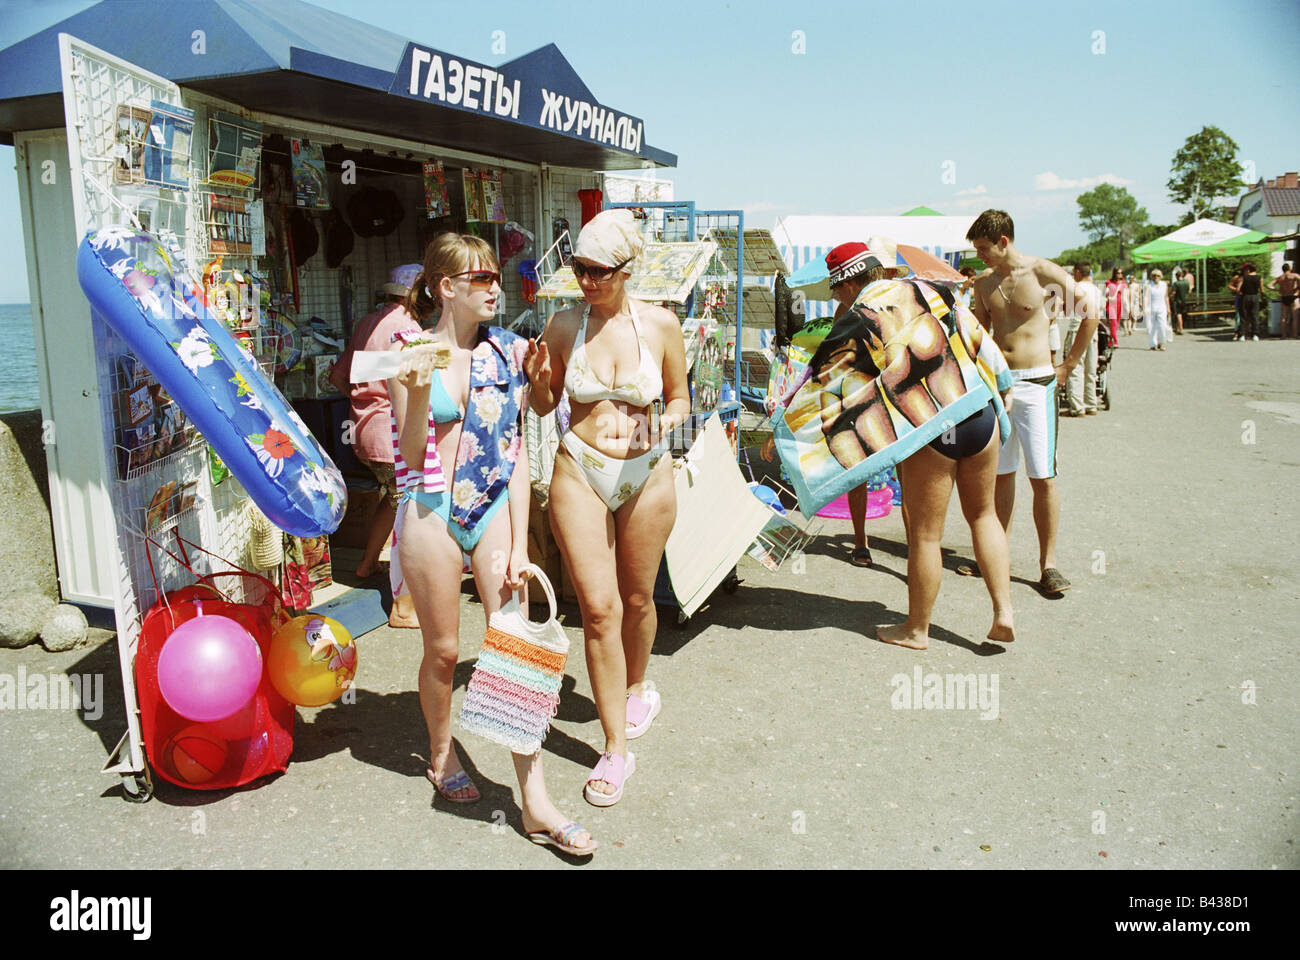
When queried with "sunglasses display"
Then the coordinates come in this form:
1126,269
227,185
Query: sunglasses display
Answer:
598,274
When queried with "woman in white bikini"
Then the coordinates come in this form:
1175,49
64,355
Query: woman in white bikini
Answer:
612,501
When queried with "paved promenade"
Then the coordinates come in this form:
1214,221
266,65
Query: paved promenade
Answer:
1120,735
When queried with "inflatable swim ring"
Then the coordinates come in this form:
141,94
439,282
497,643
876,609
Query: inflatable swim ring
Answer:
283,337
145,292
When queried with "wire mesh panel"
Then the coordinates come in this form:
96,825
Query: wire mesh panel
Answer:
136,154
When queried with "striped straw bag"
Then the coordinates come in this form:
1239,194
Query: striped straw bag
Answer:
515,689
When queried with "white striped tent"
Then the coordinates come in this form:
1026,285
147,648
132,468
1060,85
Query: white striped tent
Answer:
802,239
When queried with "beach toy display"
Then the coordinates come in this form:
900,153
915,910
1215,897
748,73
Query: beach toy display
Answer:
312,660
145,293
209,668
255,739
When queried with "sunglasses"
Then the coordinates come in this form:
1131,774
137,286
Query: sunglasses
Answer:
485,277
597,274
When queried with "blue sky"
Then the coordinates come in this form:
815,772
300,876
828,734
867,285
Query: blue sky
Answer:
959,106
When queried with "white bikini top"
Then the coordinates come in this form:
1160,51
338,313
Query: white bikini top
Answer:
583,386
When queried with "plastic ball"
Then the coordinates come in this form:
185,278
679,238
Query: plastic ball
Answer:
311,660
194,754
209,668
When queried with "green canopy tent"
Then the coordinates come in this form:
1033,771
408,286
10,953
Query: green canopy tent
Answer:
1200,240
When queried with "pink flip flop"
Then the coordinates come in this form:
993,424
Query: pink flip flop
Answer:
641,711
611,768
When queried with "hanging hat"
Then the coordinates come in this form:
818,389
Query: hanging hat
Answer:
402,279
850,259
338,239
512,242
306,241
374,213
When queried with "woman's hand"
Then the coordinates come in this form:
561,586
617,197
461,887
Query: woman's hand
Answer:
418,364
768,448
537,365
516,575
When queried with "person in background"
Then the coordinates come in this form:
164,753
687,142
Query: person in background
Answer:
1287,286
1250,292
372,439
967,287
1116,289
1179,295
1134,301
1157,310
1235,286
1082,385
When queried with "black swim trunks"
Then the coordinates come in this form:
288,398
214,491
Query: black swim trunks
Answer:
969,437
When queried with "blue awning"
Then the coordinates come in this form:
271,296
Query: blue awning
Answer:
291,58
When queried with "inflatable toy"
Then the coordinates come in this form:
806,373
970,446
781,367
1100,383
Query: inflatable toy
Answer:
258,739
142,289
209,668
312,660
878,505
194,754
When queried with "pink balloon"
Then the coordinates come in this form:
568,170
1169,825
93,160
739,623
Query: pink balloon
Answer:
209,668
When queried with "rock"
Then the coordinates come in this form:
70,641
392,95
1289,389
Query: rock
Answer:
64,628
26,533
21,615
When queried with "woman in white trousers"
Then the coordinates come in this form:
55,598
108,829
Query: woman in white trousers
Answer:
1157,310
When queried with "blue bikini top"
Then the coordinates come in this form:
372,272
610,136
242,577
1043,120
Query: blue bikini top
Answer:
442,407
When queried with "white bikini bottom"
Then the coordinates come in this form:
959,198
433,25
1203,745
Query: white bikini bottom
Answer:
615,481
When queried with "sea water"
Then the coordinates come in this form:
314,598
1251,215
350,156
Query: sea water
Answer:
19,389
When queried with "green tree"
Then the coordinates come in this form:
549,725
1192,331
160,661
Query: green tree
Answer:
1110,211
1205,167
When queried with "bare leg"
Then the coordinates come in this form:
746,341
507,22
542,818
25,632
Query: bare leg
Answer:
381,528
403,612
488,562
976,480
584,531
1004,499
1047,511
431,563
858,514
907,530
641,529
929,487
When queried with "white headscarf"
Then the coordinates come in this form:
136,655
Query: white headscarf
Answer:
609,238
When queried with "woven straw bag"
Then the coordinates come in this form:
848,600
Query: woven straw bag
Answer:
515,689
265,541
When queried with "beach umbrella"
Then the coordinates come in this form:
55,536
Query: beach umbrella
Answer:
1200,240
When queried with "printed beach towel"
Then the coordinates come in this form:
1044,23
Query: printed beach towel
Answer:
906,363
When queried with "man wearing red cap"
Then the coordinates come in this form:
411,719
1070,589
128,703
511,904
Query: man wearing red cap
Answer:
1010,300
847,266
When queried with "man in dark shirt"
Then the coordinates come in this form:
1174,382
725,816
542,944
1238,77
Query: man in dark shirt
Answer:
1250,302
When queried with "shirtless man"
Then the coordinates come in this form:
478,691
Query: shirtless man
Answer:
1010,301
1287,286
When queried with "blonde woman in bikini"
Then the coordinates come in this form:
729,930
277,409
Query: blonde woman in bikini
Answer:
612,501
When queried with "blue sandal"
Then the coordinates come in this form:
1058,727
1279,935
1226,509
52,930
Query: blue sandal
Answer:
561,838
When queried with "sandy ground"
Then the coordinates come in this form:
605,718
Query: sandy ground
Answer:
1121,735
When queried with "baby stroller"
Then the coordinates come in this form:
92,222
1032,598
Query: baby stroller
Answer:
1105,354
